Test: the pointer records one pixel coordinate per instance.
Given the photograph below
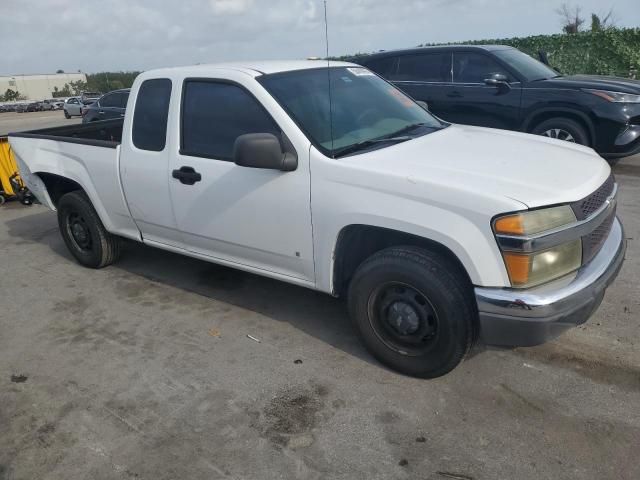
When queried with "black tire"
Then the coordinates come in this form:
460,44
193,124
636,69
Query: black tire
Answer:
83,232
442,338
560,127
66,115
2,199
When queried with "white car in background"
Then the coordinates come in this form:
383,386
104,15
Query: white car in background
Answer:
73,107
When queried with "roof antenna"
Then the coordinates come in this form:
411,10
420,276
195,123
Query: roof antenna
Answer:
326,36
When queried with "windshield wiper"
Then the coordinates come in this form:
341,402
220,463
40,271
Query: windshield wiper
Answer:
367,143
394,137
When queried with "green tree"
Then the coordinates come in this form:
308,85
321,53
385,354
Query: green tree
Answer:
65,92
603,21
77,87
11,95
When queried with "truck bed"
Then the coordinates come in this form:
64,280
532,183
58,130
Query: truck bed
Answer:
106,133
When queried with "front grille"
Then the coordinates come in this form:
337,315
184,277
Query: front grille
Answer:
588,205
592,243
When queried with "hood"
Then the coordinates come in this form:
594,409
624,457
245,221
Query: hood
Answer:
536,171
600,82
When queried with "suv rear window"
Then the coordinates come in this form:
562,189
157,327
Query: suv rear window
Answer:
424,67
151,113
383,66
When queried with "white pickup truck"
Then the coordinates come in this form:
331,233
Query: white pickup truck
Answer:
328,177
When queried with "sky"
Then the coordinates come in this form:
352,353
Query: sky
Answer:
42,36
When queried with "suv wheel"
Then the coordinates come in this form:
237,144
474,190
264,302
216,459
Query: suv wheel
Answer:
413,310
563,129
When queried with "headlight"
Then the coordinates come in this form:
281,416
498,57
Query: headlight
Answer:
616,97
528,269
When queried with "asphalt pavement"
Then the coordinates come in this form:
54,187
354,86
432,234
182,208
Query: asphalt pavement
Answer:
166,367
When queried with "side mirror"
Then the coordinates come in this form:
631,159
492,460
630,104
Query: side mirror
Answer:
263,150
498,80
424,105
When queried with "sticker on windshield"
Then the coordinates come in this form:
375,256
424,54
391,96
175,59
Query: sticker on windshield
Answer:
360,72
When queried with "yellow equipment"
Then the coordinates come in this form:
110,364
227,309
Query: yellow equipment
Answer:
10,182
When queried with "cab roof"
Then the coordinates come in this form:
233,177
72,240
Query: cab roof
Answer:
255,68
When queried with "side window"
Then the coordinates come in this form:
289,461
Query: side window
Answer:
122,99
110,100
472,67
424,67
151,114
215,114
73,100
383,66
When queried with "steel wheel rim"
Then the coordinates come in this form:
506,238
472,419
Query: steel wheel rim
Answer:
559,134
79,232
403,318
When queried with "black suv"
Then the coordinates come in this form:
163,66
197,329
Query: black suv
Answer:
110,105
501,87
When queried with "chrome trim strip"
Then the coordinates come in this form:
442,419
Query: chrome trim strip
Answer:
562,296
560,235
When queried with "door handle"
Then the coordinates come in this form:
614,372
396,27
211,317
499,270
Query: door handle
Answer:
101,112
187,175
455,94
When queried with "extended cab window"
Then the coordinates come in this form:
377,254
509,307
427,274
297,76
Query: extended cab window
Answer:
424,67
472,67
151,113
215,114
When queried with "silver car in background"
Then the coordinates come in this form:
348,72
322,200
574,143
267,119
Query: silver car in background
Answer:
73,107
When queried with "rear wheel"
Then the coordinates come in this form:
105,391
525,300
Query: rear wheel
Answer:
413,310
83,232
563,129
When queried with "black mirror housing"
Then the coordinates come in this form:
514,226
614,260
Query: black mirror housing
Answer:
263,150
498,80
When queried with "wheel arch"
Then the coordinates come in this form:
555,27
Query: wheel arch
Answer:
357,242
542,114
57,186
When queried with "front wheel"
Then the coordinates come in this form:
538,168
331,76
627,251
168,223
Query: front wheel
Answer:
66,115
83,232
563,129
413,310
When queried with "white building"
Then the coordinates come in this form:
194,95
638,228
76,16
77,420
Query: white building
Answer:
38,87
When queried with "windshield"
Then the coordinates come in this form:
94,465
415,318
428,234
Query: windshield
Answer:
527,66
363,106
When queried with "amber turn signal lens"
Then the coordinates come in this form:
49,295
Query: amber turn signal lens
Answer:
518,268
510,225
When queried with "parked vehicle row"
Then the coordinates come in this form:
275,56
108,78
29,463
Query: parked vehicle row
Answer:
42,106
436,234
501,87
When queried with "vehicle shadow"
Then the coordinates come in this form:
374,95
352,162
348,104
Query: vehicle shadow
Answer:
314,313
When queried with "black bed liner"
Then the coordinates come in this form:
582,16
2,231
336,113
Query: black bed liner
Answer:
105,133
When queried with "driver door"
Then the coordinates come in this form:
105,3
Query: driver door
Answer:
256,218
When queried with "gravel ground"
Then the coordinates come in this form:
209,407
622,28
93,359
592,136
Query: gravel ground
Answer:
144,370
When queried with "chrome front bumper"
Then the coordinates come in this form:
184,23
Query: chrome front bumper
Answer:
533,316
